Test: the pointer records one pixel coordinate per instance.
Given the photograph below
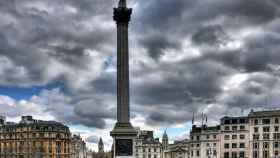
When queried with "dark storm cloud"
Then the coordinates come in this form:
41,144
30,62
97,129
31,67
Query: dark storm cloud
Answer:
71,41
211,35
207,23
157,44
44,32
262,51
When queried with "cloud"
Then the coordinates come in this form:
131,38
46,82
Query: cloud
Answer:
92,139
213,56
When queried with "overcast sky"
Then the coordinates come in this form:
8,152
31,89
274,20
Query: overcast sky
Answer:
58,62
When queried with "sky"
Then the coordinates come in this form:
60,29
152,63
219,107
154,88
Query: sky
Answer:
218,57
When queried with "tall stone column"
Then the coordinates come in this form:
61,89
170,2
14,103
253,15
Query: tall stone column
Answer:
123,133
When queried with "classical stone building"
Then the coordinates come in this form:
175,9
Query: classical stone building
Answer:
179,149
235,137
264,134
254,136
146,146
32,138
78,147
204,142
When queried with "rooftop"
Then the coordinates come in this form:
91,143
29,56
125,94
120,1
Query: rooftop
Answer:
268,113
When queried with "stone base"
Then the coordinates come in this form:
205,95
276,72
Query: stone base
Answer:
124,138
123,129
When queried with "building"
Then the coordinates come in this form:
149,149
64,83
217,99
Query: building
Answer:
179,149
235,137
254,136
264,134
146,146
100,146
204,142
78,147
32,138
165,140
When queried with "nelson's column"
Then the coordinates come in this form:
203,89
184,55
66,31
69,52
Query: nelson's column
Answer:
123,133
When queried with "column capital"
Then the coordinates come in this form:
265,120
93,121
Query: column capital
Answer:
122,15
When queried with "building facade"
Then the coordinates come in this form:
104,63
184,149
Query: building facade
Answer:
254,136
146,146
78,147
204,142
32,138
264,134
235,137
179,149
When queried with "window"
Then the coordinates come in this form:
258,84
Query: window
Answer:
266,145
226,146
276,120
256,121
197,153
256,129
242,127
226,137
214,136
227,122
276,153
214,152
265,129
197,137
234,154
234,128
276,145
234,145
241,136
226,155
241,154
256,136
207,144
197,145
256,145
155,156
255,154
207,136
214,144
242,145
266,136
276,136
226,128
276,128
265,154
234,121
234,136
266,121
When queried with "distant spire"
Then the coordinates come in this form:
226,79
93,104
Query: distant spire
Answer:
100,146
165,135
193,119
202,119
122,4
